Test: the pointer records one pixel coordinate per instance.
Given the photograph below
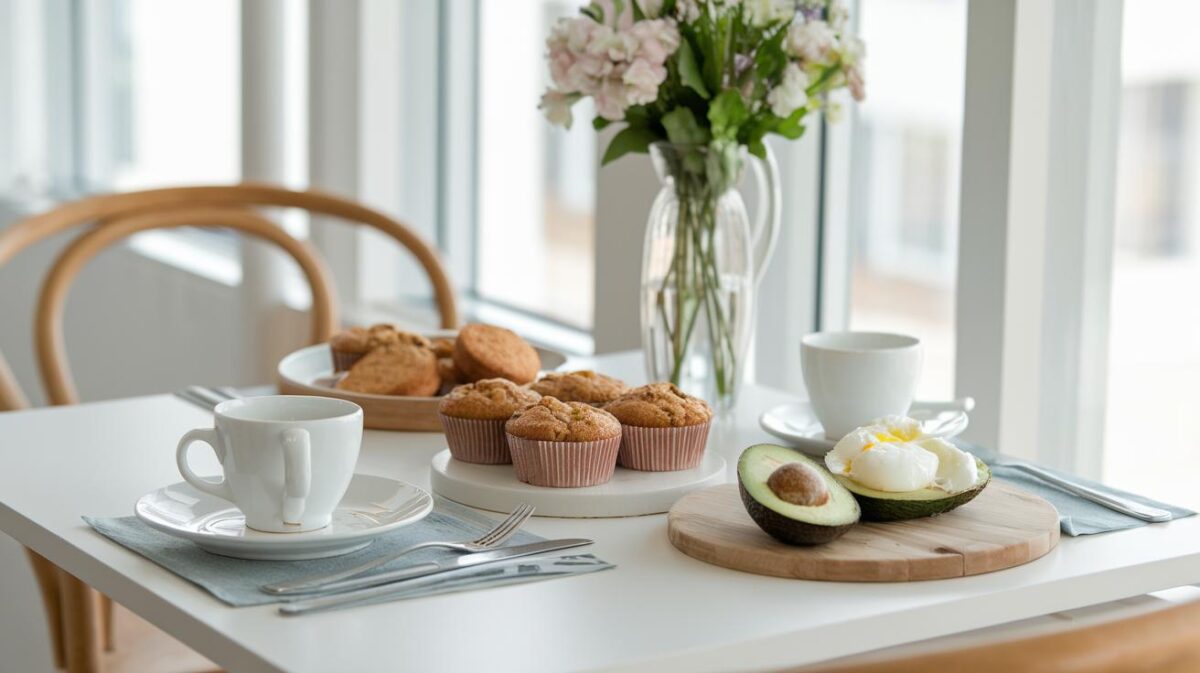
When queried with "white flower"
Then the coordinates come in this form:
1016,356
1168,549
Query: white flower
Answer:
791,94
852,50
763,12
556,105
688,10
838,15
812,41
650,8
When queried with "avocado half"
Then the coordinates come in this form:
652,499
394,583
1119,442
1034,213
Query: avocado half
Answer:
886,506
783,520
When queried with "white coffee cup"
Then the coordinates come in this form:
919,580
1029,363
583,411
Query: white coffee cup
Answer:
854,377
287,459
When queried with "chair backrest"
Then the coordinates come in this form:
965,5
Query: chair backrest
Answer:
118,215
1164,641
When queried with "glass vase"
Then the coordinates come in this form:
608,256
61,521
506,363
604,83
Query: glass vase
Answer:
701,268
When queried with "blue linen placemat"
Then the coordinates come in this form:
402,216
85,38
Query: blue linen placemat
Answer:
1076,516
237,581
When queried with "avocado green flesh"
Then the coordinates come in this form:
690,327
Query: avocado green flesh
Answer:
782,520
885,506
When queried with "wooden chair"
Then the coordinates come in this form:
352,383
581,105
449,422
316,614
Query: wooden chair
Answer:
79,621
1164,641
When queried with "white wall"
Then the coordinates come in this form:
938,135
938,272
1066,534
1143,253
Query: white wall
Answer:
134,326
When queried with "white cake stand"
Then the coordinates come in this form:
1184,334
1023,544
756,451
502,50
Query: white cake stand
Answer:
628,493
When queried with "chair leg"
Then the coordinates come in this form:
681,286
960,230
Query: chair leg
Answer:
81,625
106,620
47,574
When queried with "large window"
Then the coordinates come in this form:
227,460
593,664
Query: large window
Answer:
536,183
904,178
118,94
1154,338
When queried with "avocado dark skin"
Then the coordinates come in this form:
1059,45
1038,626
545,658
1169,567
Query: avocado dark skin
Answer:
789,531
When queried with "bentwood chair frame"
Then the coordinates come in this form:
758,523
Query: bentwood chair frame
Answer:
80,622
1163,641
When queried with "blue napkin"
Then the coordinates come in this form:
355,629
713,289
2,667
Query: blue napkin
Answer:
237,581
1076,515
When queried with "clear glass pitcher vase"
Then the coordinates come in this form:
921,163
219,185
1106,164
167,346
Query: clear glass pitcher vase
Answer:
703,261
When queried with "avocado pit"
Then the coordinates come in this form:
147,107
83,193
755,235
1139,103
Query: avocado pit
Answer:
798,484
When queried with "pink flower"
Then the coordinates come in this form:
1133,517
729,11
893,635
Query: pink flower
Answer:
643,80
618,67
556,105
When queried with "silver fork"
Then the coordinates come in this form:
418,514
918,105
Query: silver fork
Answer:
491,539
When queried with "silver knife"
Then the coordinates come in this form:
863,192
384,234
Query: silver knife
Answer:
506,572
349,586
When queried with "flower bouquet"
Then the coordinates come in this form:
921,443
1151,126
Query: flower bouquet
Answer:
700,84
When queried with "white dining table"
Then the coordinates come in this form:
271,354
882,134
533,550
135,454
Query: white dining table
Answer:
659,610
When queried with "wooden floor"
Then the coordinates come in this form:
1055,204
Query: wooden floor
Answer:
142,648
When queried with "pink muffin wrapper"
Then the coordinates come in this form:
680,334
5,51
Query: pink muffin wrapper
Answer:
343,360
663,449
564,464
475,440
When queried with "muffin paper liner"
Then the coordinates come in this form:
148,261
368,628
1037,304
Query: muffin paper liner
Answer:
662,449
475,440
344,360
564,464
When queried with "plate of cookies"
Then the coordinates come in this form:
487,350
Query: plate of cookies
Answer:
398,377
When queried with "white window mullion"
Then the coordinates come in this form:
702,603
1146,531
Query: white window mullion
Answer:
1037,188
1085,98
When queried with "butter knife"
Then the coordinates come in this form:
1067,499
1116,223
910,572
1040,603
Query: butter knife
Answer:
1110,500
360,588
501,573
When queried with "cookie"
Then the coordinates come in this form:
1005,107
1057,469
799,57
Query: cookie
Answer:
398,369
489,352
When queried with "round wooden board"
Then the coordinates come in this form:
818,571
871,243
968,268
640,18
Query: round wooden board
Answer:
1001,528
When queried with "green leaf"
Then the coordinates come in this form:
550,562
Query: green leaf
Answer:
638,14
594,12
682,127
792,127
599,123
758,149
618,6
727,113
630,139
689,71
770,58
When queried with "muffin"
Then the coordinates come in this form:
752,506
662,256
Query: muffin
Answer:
662,428
474,415
402,368
563,444
582,386
349,346
489,352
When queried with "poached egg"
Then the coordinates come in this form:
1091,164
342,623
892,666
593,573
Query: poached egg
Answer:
893,454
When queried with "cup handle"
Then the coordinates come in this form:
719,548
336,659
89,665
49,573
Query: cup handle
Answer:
297,473
208,436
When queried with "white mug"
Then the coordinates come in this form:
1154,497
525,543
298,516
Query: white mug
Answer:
855,377
287,459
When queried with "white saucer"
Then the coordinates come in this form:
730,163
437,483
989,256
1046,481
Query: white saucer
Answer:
371,507
797,424
629,493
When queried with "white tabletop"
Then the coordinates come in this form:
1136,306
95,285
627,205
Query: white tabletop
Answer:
658,610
